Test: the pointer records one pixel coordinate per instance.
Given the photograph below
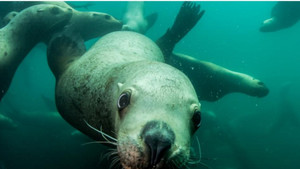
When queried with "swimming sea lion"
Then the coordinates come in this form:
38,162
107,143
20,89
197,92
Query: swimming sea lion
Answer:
134,19
37,23
21,35
211,81
216,81
122,87
284,15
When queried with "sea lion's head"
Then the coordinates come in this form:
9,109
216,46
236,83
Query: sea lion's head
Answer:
270,25
277,23
251,86
158,112
103,23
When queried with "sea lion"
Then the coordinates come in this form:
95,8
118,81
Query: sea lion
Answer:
17,41
211,81
284,15
21,35
287,117
134,19
99,23
122,87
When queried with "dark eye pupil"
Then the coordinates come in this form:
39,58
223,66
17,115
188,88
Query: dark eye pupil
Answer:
124,100
197,119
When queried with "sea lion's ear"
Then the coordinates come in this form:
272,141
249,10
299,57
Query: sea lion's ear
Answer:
120,85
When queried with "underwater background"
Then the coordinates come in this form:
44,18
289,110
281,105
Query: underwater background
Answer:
238,131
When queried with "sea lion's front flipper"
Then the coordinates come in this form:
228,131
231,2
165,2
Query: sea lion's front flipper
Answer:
212,82
186,19
63,49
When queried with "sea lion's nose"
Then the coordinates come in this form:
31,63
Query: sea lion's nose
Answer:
159,138
158,148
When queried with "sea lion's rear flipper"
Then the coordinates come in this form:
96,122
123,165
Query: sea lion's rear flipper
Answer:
63,49
186,19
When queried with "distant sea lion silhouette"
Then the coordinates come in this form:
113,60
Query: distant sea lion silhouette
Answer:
134,19
287,115
122,86
284,15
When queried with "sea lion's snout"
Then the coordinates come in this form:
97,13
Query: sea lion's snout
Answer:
269,25
159,138
261,89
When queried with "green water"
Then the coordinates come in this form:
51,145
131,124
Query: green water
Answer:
246,132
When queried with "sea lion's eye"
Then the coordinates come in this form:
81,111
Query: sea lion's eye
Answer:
124,100
197,119
107,17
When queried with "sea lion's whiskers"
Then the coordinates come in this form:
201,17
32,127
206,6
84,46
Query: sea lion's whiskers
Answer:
199,148
99,142
115,161
113,132
119,166
104,135
112,152
201,164
108,154
176,163
197,161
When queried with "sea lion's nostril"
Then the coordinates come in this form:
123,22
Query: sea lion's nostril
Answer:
158,137
158,147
